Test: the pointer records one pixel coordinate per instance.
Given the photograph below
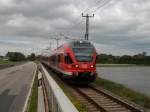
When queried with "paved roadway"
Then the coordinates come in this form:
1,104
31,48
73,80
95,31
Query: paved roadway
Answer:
14,86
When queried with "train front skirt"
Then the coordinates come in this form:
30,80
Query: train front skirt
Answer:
80,77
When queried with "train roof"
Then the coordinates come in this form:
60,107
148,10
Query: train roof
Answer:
73,44
80,43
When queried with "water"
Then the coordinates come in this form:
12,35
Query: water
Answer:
136,78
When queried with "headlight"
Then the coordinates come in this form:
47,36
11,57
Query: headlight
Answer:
92,66
76,66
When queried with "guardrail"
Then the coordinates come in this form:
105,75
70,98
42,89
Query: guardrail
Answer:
57,100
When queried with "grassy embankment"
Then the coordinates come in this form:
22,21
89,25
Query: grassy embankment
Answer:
68,92
32,107
80,106
125,92
7,62
4,61
115,88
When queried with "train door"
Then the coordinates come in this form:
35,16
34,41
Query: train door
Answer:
60,60
68,61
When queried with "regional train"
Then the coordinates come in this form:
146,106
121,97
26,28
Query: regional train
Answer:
75,61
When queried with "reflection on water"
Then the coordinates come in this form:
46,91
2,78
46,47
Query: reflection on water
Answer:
137,78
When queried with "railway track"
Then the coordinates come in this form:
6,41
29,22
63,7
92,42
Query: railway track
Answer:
97,99
100,101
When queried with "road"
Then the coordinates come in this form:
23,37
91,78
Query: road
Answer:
14,86
2,66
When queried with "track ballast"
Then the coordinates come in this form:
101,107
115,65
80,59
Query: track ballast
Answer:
104,102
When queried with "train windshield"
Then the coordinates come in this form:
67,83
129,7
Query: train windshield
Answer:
83,54
83,58
83,50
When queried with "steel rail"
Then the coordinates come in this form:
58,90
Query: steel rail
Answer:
106,102
119,100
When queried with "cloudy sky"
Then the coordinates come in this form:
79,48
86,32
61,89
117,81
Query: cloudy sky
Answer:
119,26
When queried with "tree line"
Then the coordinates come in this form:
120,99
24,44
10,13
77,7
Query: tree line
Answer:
139,59
18,56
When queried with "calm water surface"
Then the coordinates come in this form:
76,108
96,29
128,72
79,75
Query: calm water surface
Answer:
137,78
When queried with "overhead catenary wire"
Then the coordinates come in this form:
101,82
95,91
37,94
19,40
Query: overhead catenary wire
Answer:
99,4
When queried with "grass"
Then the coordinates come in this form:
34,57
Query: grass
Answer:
123,91
68,92
4,61
34,96
81,107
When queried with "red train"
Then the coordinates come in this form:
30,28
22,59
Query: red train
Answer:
75,60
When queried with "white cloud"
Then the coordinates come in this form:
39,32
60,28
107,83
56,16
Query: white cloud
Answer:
6,2
120,27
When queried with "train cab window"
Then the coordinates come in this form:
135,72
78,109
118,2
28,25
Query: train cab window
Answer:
59,58
68,59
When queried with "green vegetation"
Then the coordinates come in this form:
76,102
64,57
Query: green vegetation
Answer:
139,59
81,107
34,96
68,92
123,91
2,61
15,56
18,56
7,62
31,57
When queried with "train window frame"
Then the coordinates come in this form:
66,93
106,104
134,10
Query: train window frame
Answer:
59,58
68,59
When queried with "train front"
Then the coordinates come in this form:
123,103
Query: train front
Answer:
84,62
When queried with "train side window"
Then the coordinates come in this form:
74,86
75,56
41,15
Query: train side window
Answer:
59,58
96,59
68,59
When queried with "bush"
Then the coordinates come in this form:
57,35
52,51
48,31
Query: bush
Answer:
15,56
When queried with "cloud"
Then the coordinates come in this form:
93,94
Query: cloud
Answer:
120,27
